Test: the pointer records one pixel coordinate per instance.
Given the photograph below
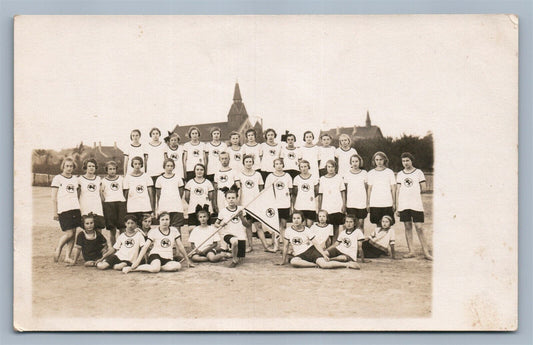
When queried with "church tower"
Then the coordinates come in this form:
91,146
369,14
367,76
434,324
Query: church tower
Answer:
368,123
237,113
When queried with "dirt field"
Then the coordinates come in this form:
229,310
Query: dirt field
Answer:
382,288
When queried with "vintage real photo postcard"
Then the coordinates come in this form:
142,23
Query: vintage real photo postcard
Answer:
324,172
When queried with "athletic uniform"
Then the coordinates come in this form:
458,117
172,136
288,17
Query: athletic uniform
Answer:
379,243
134,151
343,158
356,193
322,233
155,159
234,228
381,196
199,234
331,188
325,154
302,245
195,155
90,200
305,199
409,199
91,248
114,202
163,245
282,185
268,154
177,156
199,195
254,151
138,198
290,160
224,179
169,199
68,205
127,248
310,154
213,162
347,244
235,159
249,186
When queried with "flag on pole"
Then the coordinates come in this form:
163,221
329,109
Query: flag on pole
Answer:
264,208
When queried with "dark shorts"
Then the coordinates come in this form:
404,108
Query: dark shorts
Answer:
412,215
190,175
153,257
210,177
376,213
311,254
336,218
99,222
114,260
359,213
372,252
114,213
154,178
333,252
284,213
176,219
251,218
292,173
241,245
322,172
309,215
70,219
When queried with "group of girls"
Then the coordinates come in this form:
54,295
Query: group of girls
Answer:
322,189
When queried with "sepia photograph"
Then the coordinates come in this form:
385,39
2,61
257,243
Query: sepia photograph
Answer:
290,173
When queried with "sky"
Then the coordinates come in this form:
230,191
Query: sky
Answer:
93,79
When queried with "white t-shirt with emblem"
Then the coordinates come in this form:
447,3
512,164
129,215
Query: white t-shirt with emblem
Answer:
163,244
224,179
90,200
355,189
331,188
249,186
195,154
343,158
169,199
348,243
299,240
177,156
254,151
409,197
381,182
269,153
138,197
235,159
305,199
383,238
113,189
200,234
128,246
134,151
67,193
156,157
310,154
322,233
290,158
325,154
199,194
282,185
235,226
213,162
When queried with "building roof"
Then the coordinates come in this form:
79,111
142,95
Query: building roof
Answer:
205,129
361,132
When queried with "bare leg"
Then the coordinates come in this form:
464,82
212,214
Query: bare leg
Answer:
409,238
361,225
301,263
322,263
120,266
102,265
89,263
340,258
212,257
249,237
112,236
171,266
67,236
153,267
335,233
261,235
423,241
200,258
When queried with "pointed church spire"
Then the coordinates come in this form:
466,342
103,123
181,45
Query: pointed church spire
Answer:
237,94
368,123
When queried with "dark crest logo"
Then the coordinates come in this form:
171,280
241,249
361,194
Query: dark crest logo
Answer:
174,156
195,153
291,155
165,242
270,212
297,241
306,187
347,242
129,243
70,188
215,152
272,152
280,185
91,187
235,219
198,191
114,186
408,182
249,184
223,178
139,189
237,157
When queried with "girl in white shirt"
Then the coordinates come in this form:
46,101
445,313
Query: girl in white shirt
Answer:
326,152
138,190
175,152
90,200
155,155
235,152
356,194
381,189
169,191
309,152
290,153
332,197
193,153
135,149
199,194
270,150
252,148
212,150
305,190
114,202
343,154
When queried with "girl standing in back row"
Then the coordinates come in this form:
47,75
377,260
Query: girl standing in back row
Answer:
381,189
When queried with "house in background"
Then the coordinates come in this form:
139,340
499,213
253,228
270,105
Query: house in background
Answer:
357,132
238,121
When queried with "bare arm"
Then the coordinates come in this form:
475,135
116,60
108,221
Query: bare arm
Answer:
318,247
393,191
393,253
141,254
183,252
368,194
343,196
185,164
213,200
423,187
108,253
152,198
284,252
54,202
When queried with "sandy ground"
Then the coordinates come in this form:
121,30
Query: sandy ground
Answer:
382,288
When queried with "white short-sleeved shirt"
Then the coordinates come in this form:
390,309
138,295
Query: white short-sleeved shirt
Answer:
382,238
213,162
250,186
177,156
234,226
138,197
90,200
156,157
254,151
200,234
305,199
128,246
269,153
290,158
169,200
331,188
310,154
235,158
321,233
195,154
199,194
325,154
163,244
224,179
343,158
299,240
282,185
381,182
67,193
355,189
409,197
113,189
134,151
348,243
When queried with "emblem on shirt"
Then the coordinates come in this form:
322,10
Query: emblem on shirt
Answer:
215,152
235,219
70,188
195,153
305,187
280,185
272,152
270,212
237,157
91,187
408,182
297,241
223,178
249,184
347,242
165,243
129,243
140,189
291,155
174,156
198,191
114,186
